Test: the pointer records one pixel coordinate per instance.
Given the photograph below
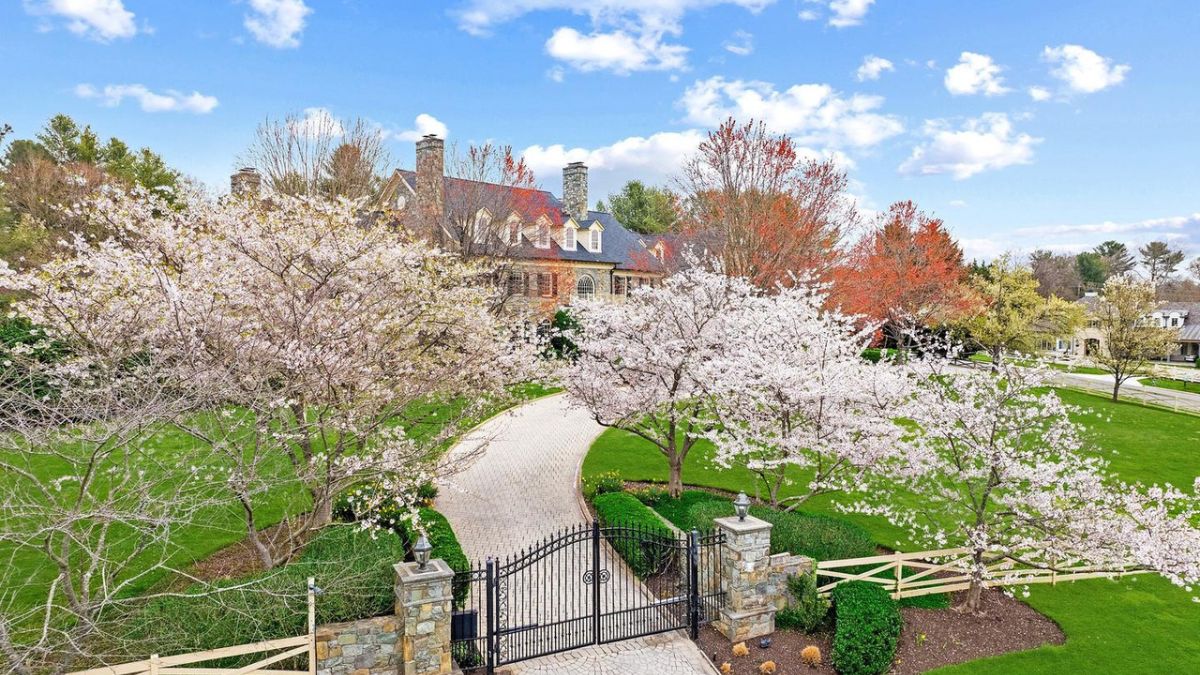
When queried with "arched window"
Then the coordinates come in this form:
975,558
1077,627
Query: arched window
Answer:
569,238
595,243
585,287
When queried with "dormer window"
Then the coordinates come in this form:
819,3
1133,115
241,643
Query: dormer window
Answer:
543,233
514,230
569,236
594,239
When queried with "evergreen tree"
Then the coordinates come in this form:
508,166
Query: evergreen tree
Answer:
648,210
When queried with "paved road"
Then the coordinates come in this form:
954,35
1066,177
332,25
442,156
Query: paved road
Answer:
523,487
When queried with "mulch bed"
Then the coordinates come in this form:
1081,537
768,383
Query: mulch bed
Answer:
238,559
931,638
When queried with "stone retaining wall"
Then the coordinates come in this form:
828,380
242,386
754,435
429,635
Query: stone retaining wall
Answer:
366,647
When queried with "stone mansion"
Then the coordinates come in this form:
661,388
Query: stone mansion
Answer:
556,249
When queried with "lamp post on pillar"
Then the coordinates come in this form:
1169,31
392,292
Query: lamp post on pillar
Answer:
749,610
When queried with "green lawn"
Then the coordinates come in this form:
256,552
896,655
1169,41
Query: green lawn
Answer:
1171,383
218,527
1140,625
982,357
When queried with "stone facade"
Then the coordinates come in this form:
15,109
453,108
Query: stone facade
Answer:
575,190
430,193
423,608
755,581
367,647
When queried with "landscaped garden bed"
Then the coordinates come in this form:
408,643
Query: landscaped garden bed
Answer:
1069,627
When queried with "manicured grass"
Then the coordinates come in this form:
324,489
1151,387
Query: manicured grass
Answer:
1139,625
219,527
1171,383
981,357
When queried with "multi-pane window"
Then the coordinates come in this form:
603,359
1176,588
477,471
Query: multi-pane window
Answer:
595,240
547,284
543,235
569,238
585,287
619,286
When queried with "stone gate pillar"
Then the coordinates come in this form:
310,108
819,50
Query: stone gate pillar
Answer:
746,577
423,609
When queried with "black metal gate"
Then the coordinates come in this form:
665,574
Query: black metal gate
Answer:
589,584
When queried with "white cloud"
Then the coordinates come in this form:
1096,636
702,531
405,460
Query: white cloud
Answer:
815,114
848,12
1182,232
423,125
625,35
872,67
651,158
1176,224
842,13
480,17
1083,70
958,203
556,74
617,51
1039,93
317,122
975,74
277,23
167,101
982,144
742,43
101,20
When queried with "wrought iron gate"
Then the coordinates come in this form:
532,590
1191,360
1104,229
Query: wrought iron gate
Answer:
589,584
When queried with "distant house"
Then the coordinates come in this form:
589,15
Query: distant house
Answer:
555,249
1183,317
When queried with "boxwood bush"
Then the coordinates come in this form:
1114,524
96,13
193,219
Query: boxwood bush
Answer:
644,555
817,536
867,629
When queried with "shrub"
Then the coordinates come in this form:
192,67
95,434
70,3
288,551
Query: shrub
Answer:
352,568
679,510
817,536
867,629
651,495
875,354
805,609
644,554
602,484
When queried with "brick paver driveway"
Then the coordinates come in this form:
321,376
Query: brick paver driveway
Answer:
524,486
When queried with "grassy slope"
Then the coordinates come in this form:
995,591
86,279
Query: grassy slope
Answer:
1139,625
219,527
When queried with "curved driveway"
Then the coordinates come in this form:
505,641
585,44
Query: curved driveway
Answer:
520,488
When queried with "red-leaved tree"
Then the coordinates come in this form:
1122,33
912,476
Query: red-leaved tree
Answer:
762,208
908,273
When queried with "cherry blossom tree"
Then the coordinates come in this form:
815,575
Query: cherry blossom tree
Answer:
640,363
312,336
998,466
794,394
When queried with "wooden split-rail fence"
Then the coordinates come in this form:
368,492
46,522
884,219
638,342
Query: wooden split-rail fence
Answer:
908,575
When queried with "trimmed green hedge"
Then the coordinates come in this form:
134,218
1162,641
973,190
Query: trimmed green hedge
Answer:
817,536
353,569
867,629
642,554
445,546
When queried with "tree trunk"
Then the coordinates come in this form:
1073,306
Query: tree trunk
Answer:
260,546
973,600
1116,389
675,483
322,507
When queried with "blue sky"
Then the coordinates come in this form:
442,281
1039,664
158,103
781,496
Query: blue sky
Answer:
1023,124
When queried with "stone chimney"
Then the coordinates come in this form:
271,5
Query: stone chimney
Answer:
575,190
431,161
245,182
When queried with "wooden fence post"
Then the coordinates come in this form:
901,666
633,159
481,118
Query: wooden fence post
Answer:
154,665
312,626
899,574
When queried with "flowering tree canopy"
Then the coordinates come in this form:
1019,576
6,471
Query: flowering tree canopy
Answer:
1000,468
641,363
309,329
1130,337
796,394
